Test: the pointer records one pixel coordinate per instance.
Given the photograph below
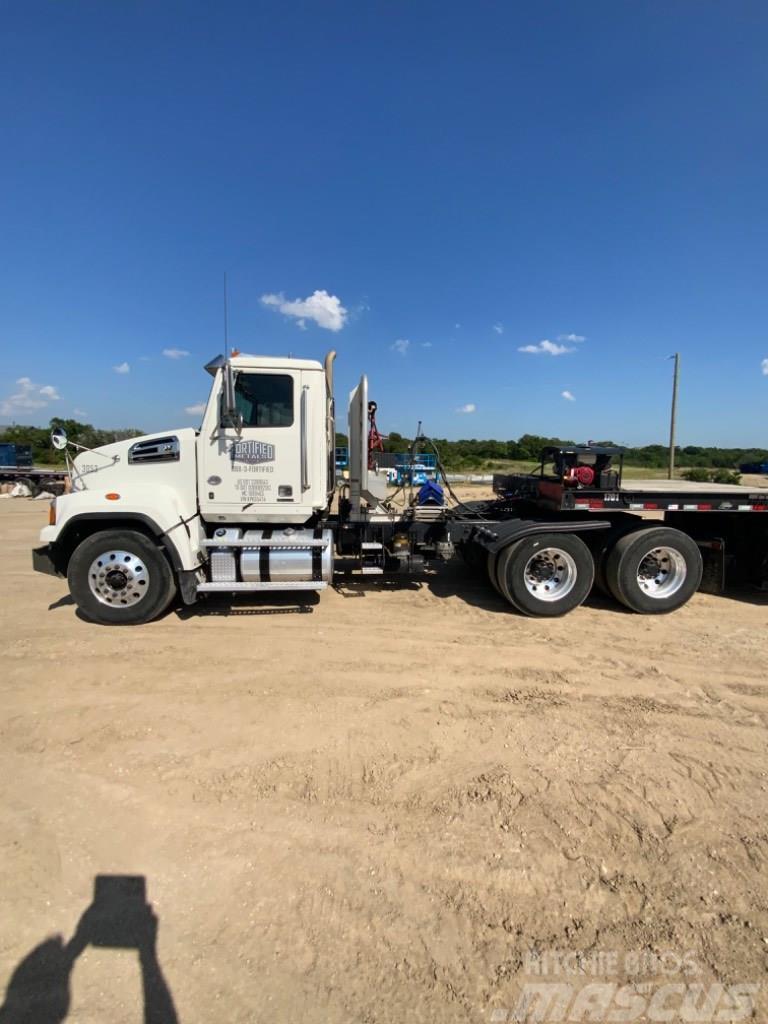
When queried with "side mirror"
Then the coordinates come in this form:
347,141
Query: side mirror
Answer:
229,412
59,439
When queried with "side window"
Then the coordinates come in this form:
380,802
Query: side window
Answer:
264,399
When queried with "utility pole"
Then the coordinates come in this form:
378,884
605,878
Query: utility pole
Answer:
676,357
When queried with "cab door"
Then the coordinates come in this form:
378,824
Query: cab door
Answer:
252,470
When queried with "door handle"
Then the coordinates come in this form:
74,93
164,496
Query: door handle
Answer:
303,438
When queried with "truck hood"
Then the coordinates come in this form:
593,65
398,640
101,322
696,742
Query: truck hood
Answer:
125,461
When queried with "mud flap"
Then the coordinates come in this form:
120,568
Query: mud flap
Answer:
188,580
713,553
42,561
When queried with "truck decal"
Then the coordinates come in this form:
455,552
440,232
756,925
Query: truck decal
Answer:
253,489
252,451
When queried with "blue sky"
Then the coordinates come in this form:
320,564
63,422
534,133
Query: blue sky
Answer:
469,179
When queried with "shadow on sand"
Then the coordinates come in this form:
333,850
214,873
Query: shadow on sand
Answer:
118,918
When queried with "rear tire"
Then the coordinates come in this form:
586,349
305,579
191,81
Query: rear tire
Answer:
120,578
31,486
546,575
492,567
655,570
606,542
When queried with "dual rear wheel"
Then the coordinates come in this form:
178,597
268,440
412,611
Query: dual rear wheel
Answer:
546,575
651,570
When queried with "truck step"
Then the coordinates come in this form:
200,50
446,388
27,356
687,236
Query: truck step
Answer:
371,570
239,588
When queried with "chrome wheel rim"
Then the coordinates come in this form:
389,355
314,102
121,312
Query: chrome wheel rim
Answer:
118,579
550,574
661,573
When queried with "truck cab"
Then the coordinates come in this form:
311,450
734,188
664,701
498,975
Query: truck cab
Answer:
265,447
146,516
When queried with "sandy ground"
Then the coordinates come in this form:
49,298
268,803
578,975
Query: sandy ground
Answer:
373,806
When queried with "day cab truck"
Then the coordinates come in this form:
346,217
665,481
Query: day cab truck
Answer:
251,502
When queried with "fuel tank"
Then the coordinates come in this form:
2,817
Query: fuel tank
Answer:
287,555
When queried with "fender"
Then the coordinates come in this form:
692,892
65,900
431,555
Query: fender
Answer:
156,507
500,534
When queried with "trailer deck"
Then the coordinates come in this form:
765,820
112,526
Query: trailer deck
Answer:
636,496
690,486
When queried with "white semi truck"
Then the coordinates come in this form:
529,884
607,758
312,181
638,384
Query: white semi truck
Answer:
250,502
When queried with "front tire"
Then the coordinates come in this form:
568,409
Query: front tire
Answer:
547,575
654,571
120,577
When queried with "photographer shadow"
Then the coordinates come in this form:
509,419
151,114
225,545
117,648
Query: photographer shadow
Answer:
119,918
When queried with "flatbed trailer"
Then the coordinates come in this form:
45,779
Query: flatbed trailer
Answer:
251,503
723,521
53,480
638,496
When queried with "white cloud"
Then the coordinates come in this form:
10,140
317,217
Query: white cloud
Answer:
499,328
545,347
469,407
571,337
426,344
326,310
401,345
122,368
457,326
195,410
79,412
568,396
28,396
175,353
764,367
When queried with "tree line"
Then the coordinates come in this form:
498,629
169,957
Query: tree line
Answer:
461,454
467,453
39,438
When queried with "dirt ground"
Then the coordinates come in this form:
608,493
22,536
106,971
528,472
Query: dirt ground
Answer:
374,806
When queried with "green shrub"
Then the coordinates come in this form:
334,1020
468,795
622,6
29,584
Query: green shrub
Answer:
712,476
700,476
726,476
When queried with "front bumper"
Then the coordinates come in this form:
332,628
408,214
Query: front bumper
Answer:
42,561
